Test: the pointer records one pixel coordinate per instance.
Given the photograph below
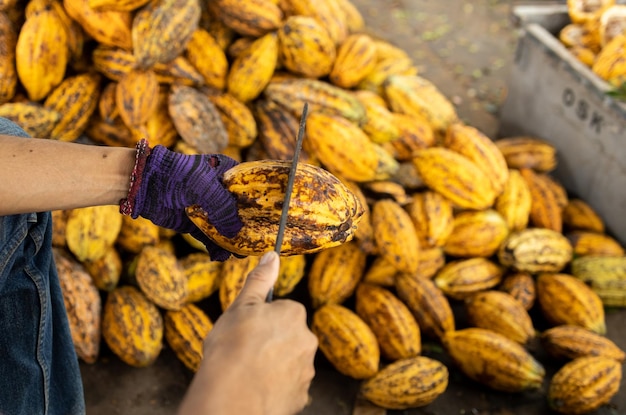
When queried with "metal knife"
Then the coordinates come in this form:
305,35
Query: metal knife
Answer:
289,189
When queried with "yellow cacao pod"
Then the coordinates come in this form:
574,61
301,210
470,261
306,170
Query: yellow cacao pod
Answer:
610,63
276,129
428,304
335,274
585,10
545,211
586,243
379,123
396,237
476,234
579,215
331,15
160,278
432,216
364,233
35,119
8,38
571,342
237,119
494,360
7,5
327,12
91,231
82,305
76,36
76,99
135,234
461,278
584,384
521,286
107,109
415,134
354,19
514,202
380,272
178,18
178,71
535,250
114,134
612,23
356,58
203,275
346,341
475,145
40,66
59,223
112,62
386,189
210,21
239,45
207,56
290,273
234,274
346,150
577,36
502,313
160,128
305,47
321,97
431,261
325,210
465,184
135,97
408,176
251,18
415,95
564,299
252,70
407,383
132,326
196,119
123,5
390,60
391,322
605,275
185,331
524,152
106,270
584,54
107,27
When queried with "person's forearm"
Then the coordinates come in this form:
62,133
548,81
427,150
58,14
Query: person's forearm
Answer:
39,175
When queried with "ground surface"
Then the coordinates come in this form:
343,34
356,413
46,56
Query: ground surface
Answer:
464,47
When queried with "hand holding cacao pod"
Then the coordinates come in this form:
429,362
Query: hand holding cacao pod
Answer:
323,212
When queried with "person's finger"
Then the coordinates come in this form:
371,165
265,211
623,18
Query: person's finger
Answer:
260,280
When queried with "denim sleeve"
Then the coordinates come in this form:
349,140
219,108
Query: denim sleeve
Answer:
39,372
8,127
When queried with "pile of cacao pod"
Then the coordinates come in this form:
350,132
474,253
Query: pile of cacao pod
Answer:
596,36
451,219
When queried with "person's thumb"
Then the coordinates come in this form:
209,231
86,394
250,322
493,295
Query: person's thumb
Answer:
260,280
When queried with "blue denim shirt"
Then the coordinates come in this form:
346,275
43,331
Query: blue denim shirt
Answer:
39,372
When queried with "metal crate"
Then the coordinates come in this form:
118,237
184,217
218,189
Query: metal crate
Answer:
553,96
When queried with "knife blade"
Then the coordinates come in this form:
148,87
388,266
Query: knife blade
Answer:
288,190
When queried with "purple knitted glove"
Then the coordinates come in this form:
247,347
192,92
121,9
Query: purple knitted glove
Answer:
170,181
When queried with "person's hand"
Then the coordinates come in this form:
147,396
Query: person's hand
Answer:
166,182
258,358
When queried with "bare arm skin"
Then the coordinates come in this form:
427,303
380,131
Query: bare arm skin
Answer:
38,175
